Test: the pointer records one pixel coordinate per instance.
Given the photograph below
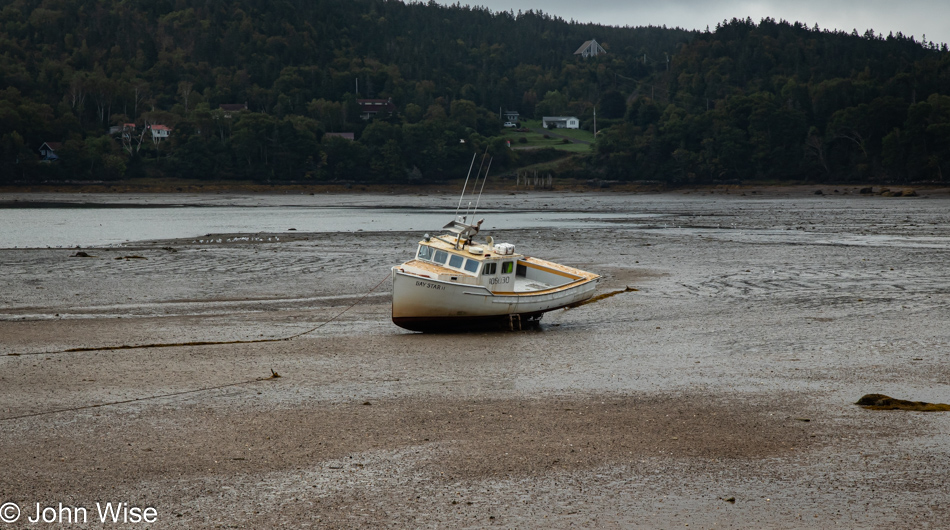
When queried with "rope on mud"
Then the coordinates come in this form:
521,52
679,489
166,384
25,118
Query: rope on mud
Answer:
274,375
599,297
205,343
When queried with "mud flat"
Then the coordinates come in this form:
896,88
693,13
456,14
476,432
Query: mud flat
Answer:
720,393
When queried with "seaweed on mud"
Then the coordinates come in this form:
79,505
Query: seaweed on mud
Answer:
882,402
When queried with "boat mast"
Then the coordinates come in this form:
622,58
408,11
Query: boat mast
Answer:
470,166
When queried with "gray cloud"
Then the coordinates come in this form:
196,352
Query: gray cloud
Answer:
910,17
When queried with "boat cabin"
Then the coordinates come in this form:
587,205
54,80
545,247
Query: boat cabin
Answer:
495,267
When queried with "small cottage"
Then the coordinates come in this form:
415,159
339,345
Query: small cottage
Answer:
370,108
230,109
561,122
159,132
126,130
48,151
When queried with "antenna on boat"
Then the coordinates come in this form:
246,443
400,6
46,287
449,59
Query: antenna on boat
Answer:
484,180
475,184
470,166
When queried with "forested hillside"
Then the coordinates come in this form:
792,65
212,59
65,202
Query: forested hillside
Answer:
776,100
745,101
72,69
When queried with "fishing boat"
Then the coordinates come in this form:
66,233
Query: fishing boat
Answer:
458,281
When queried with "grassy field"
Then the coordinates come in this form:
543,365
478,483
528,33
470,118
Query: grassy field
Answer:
552,165
555,138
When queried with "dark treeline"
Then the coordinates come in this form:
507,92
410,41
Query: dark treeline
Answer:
72,69
776,100
747,101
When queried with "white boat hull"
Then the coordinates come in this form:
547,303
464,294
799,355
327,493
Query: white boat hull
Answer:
425,304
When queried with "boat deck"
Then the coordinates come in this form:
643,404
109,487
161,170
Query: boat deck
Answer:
524,285
566,269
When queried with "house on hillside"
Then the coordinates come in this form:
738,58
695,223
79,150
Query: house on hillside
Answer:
512,116
125,130
370,108
48,151
590,49
344,135
232,108
561,122
159,132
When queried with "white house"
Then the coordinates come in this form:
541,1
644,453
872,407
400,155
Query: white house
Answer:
590,49
561,122
159,132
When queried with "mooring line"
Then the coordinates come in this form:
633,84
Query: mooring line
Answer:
274,375
203,343
599,297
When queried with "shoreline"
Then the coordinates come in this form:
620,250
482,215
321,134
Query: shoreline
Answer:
185,187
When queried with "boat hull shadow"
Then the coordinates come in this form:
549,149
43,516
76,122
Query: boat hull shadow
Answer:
515,322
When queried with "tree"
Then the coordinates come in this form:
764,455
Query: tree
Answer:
612,105
184,90
465,113
553,104
345,160
253,142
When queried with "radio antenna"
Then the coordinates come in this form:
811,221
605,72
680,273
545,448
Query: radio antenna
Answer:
470,166
484,180
475,184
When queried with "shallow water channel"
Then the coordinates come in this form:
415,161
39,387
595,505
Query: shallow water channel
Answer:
84,225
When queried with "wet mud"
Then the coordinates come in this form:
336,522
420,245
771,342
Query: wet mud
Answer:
720,394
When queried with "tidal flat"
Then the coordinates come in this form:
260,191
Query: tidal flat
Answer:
718,392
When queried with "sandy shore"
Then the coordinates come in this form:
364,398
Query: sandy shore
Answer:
719,394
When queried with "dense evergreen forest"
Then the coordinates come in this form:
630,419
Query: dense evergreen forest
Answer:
253,90
781,101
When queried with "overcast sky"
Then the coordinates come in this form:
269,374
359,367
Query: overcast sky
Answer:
911,17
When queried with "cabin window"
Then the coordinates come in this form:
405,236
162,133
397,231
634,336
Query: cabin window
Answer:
471,266
425,252
507,267
440,257
489,268
456,261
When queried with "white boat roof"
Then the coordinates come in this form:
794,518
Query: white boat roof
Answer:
448,242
